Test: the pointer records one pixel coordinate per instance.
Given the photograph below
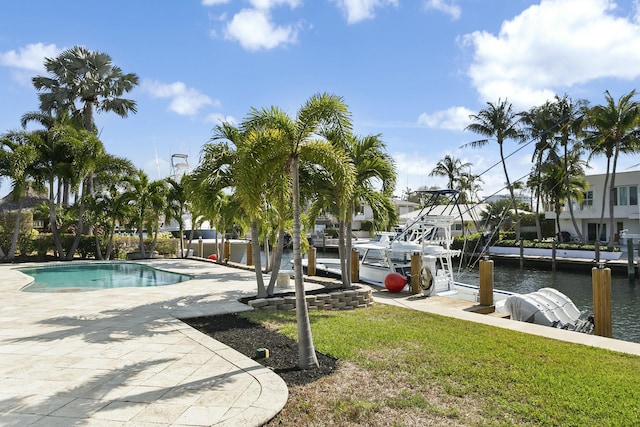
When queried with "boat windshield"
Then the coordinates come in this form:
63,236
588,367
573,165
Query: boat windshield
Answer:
376,257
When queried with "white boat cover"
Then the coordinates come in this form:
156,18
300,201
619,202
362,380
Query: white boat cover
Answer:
548,307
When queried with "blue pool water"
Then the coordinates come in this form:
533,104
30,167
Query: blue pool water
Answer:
89,277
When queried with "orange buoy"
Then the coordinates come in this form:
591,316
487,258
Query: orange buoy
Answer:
213,257
394,282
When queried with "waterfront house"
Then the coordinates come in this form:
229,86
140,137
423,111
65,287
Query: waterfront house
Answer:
587,214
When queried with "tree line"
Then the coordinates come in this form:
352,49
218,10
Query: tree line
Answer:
566,134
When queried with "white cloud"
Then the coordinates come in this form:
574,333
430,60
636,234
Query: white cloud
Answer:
268,4
255,30
30,57
359,10
448,7
185,101
551,46
454,118
213,2
218,118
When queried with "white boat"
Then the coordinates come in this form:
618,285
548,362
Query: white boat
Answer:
429,237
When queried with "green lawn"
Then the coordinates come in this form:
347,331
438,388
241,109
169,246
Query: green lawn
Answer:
512,378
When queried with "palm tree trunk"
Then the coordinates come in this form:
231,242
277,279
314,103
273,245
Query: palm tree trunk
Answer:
143,253
612,189
255,249
605,190
98,248
513,196
306,353
277,260
76,240
568,196
342,252
53,222
110,244
154,242
16,231
348,248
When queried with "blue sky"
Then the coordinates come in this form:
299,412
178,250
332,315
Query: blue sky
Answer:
412,71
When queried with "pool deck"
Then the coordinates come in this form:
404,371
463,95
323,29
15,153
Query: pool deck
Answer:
121,357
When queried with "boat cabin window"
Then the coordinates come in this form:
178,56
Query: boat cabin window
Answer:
400,257
375,257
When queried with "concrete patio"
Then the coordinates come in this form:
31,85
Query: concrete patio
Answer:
121,357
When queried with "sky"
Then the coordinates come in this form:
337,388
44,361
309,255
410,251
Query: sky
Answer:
410,71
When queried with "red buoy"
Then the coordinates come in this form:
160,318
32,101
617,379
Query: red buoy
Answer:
394,282
213,257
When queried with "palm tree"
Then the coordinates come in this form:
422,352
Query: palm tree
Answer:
451,168
232,161
177,205
469,186
18,157
148,199
296,140
373,168
498,121
613,129
539,126
569,117
553,179
90,77
106,205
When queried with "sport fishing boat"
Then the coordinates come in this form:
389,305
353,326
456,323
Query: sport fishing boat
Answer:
429,237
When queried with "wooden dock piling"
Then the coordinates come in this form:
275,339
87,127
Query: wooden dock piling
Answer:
601,283
486,282
416,267
631,270
311,262
355,266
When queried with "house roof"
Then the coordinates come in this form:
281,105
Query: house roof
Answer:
32,199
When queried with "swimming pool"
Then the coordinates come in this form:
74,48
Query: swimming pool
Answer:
93,276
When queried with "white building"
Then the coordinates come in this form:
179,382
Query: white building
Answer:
626,209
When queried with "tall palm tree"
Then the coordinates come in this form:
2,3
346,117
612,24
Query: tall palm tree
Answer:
451,168
613,129
539,124
297,141
569,118
90,77
498,121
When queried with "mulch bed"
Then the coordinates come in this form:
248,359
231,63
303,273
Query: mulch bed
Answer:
246,337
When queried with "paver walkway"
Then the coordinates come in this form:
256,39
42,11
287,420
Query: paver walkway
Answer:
121,357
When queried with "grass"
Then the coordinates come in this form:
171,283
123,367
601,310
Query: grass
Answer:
403,367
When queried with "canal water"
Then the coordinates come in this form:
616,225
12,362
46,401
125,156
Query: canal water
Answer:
625,297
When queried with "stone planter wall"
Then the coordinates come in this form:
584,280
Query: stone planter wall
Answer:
332,300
